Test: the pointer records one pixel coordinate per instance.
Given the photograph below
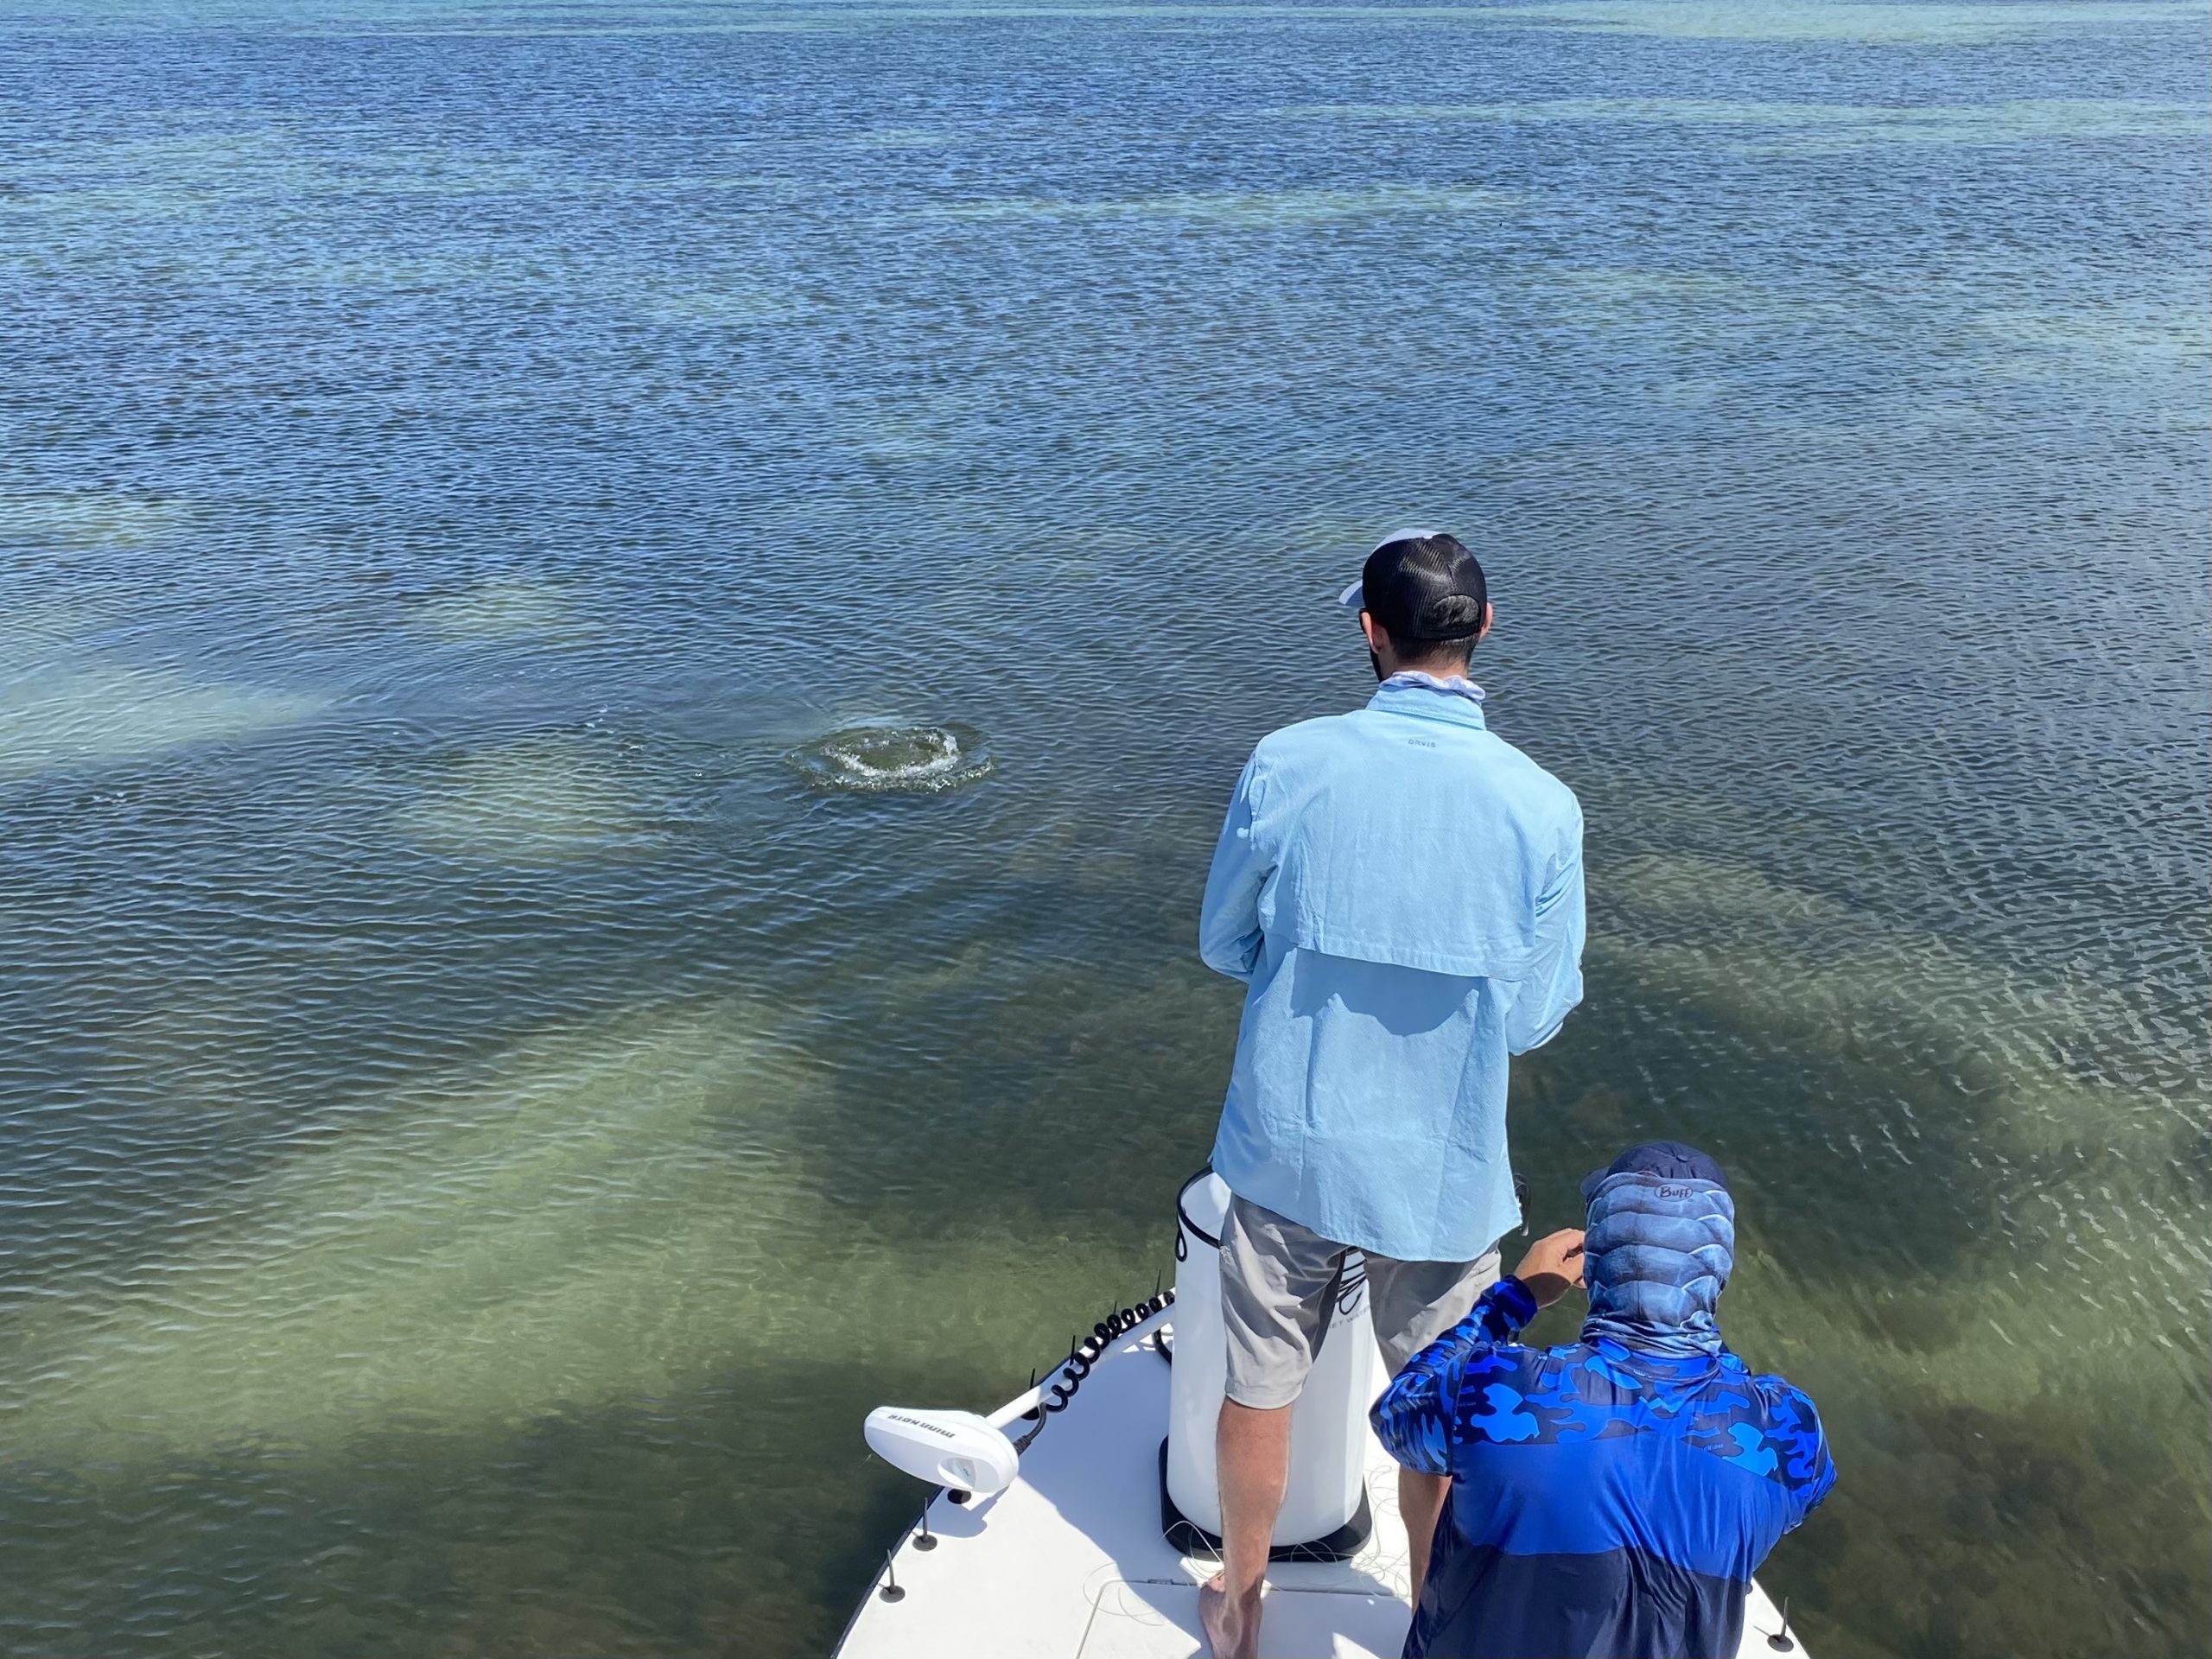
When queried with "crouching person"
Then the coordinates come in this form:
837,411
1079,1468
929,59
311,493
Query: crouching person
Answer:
1611,1498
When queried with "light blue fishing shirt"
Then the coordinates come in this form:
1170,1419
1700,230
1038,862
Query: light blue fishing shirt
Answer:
1401,890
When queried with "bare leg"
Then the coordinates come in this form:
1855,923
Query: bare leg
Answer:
1252,1452
1421,1501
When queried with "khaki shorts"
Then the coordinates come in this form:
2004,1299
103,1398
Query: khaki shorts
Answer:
1282,1283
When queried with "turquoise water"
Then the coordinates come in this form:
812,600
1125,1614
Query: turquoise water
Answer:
623,630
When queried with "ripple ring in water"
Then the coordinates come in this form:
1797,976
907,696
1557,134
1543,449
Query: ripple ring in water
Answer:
895,760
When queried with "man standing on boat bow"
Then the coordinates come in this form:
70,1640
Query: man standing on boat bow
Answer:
1400,891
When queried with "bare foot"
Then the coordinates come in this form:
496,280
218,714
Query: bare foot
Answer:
1232,1627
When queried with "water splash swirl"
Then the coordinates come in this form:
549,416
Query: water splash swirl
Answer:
895,760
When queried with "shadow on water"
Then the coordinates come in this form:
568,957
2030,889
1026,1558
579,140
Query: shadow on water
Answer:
631,1527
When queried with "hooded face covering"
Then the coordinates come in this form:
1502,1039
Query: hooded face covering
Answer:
1658,1251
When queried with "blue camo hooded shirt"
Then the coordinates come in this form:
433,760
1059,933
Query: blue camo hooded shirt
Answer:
1612,1497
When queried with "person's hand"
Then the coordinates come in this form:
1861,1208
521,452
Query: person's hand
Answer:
1553,1265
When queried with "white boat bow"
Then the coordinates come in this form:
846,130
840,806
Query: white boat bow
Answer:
1070,1560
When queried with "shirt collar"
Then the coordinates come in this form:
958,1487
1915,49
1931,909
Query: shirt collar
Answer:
1426,697
1612,1349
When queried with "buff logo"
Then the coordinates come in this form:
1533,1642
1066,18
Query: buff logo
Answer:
1674,1191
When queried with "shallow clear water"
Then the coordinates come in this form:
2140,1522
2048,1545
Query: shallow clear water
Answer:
482,1121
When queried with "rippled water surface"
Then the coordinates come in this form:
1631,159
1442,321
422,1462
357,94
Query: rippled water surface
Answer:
511,517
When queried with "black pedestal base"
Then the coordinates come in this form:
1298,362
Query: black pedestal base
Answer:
1187,1538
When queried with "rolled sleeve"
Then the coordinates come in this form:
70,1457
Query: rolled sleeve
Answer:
1229,919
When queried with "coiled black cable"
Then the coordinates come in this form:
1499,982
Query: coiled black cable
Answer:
1085,1353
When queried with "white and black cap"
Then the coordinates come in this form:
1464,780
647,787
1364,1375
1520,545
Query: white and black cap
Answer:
1420,584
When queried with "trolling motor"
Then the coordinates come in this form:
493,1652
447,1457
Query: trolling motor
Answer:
957,1450
970,1455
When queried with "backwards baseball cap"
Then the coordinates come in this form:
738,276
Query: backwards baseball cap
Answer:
1420,584
1657,1160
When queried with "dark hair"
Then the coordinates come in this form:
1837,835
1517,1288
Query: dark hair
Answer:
1424,653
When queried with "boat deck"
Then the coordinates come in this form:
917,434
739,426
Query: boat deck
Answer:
1069,1562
